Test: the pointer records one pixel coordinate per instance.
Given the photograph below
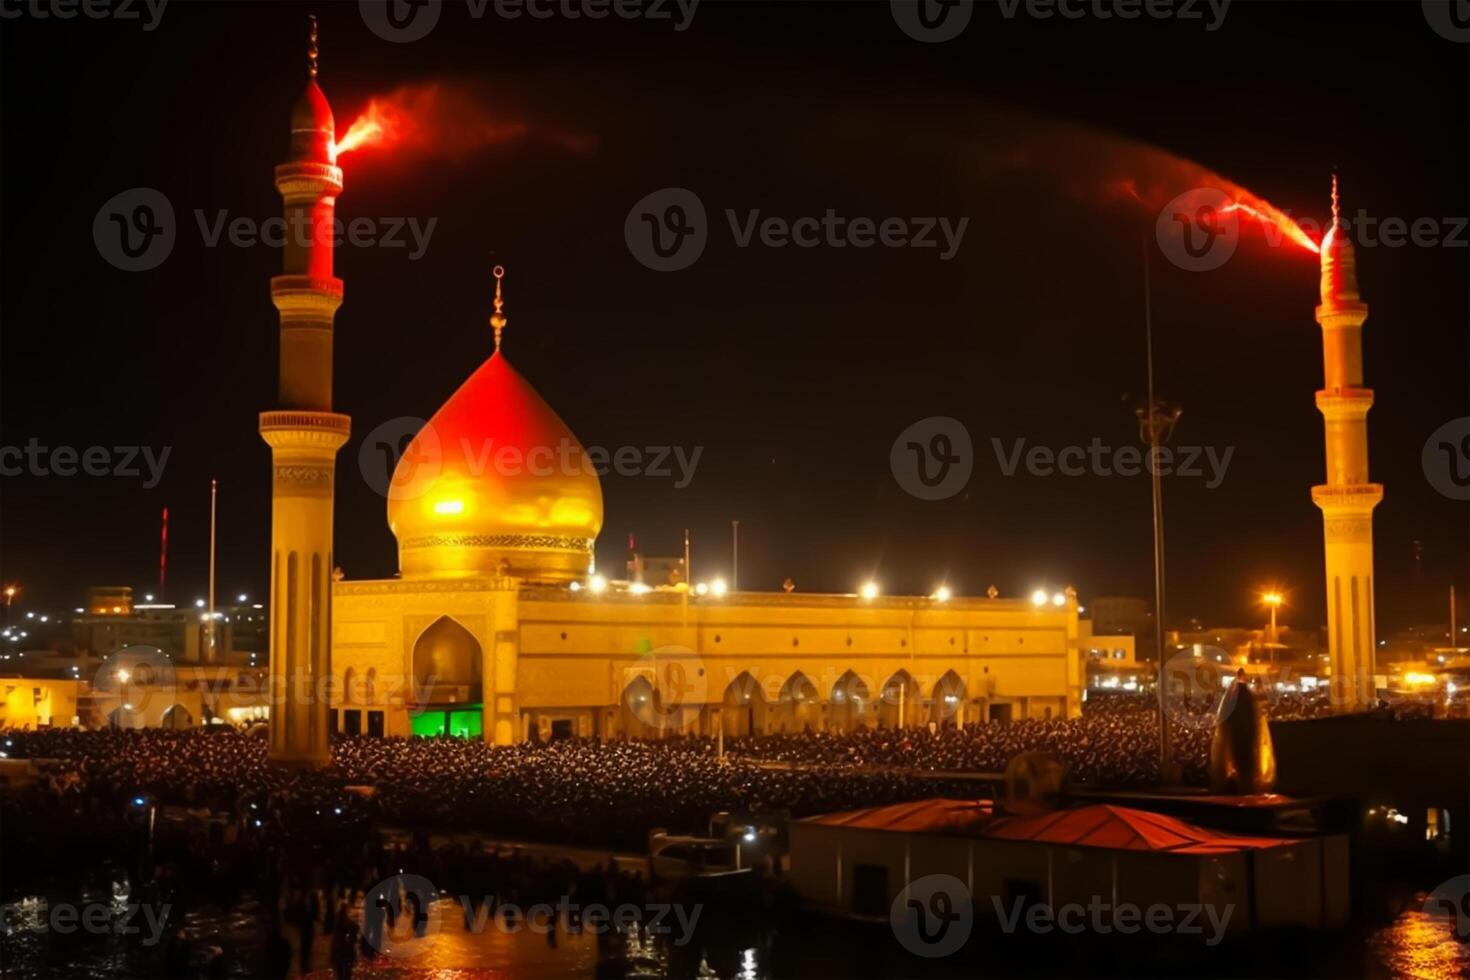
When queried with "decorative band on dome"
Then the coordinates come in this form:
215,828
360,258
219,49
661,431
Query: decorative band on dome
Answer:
506,542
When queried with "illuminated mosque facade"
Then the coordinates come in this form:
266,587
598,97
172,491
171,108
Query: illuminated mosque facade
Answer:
496,626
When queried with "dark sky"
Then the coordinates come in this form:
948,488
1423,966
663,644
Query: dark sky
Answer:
794,369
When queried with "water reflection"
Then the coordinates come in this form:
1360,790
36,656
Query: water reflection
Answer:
1417,944
1421,944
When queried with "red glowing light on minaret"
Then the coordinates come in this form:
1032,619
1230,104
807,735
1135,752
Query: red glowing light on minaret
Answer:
378,125
1275,222
446,120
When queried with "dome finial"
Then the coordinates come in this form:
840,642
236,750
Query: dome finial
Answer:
497,319
311,51
1336,207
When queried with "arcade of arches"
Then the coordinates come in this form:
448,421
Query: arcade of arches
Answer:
751,707
503,660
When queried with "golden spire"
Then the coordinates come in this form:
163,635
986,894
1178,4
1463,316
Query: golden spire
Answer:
497,319
1339,261
311,51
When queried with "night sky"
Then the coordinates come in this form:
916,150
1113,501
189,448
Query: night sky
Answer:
793,369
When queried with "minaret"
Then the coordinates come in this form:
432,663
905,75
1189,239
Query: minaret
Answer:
304,435
1347,498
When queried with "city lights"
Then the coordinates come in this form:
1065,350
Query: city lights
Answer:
597,584
718,587
1039,597
942,594
869,590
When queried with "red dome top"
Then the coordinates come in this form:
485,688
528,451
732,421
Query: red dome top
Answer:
495,479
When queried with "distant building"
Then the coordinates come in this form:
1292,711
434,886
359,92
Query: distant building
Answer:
115,600
656,571
1121,615
180,632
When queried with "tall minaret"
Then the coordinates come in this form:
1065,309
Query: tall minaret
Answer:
304,435
1347,498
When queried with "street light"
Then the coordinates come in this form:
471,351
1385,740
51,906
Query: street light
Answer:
1273,600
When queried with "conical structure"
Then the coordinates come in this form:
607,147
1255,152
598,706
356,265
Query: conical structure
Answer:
495,484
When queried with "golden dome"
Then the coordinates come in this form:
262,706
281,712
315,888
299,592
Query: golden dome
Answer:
495,483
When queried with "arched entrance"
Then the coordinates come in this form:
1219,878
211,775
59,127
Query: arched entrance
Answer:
125,716
744,707
897,702
176,717
446,664
638,710
949,700
851,704
797,707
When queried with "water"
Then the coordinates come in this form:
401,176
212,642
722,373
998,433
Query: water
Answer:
1413,945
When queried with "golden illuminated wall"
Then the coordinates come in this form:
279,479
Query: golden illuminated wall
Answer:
27,702
551,655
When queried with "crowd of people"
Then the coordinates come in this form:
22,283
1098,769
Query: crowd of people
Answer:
605,791
298,847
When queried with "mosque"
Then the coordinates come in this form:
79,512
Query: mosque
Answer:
496,626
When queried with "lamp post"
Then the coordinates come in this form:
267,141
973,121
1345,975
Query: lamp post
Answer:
1273,601
734,556
1156,423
